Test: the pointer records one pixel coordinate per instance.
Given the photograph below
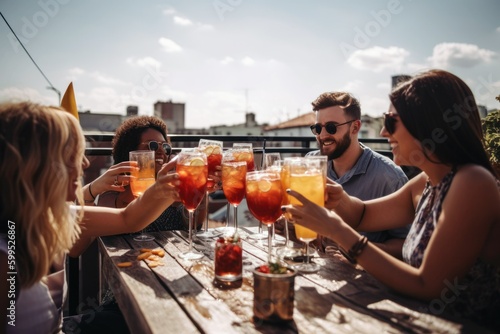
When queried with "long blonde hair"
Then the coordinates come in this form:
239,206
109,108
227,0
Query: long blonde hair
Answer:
41,148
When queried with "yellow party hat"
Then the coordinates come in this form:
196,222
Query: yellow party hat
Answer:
68,101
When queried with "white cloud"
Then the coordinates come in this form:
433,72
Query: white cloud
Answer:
169,11
374,106
226,60
498,30
169,45
203,26
182,21
378,58
247,61
352,86
76,71
386,86
15,94
106,79
459,55
144,62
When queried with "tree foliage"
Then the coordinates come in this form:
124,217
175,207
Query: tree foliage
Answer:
491,129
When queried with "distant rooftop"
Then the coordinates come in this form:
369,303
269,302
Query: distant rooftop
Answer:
297,122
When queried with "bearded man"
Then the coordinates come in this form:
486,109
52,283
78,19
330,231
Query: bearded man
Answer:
362,172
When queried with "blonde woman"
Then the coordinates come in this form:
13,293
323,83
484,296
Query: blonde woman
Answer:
42,163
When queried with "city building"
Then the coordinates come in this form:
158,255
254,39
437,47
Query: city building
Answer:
172,113
249,128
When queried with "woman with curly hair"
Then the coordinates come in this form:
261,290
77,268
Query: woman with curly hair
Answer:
143,133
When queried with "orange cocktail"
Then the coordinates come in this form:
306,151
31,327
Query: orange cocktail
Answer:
193,174
264,198
213,150
263,194
139,185
233,181
307,178
142,178
244,152
193,179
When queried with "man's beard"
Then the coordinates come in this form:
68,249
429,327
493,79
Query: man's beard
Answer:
342,146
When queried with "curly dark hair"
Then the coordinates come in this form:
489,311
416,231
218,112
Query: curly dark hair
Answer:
128,135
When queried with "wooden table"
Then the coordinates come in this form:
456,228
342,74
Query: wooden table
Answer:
180,296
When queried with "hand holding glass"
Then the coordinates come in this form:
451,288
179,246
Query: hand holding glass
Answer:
142,178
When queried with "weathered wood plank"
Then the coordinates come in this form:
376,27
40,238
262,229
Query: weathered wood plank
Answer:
146,305
207,312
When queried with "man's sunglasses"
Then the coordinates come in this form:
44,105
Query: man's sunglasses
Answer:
390,120
154,145
331,127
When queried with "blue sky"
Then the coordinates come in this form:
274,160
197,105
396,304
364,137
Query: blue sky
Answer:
222,57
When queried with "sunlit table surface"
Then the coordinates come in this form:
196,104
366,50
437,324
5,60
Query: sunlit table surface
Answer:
180,296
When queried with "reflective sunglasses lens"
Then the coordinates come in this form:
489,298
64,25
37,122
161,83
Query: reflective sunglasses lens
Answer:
389,123
153,146
167,148
331,128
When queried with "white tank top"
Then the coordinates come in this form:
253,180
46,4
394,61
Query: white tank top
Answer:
38,309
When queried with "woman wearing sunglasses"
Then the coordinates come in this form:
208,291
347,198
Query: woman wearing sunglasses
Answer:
140,133
451,256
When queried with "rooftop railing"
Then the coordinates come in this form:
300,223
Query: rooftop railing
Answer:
100,143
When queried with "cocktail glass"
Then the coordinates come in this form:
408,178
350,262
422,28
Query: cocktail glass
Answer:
306,177
287,251
244,152
233,182
213,150
263,195
270,159
193,174
142,178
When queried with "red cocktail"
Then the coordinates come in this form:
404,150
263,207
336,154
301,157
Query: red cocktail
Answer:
264,195
233,181
228,258
193,173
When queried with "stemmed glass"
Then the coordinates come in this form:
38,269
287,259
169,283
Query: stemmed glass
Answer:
213,150
263,194
270,162
306,177
270,159
244,152
286,251
142,178
233,181
193,174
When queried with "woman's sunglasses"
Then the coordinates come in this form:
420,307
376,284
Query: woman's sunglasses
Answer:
154,145
330,127
390,120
